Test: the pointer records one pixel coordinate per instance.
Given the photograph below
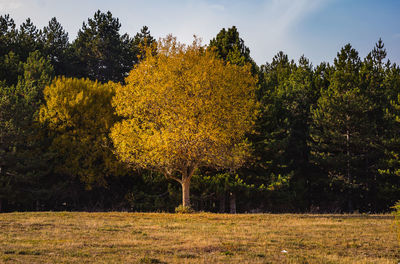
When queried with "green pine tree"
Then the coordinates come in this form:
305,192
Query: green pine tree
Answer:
56,46
22,150
101,52
28,39
231,48
344,137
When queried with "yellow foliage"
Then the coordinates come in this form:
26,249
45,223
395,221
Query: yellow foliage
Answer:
80,115
184,108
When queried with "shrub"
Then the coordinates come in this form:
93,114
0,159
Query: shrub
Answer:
184,209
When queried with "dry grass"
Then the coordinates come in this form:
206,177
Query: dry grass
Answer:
66,237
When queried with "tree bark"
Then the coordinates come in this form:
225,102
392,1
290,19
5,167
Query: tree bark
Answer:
186,192
349,176
222,202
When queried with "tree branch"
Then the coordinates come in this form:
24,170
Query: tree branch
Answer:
168,175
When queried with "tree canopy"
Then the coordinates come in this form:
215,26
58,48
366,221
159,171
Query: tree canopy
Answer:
79,115
102,53
182,109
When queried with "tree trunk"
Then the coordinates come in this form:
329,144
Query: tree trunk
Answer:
222,202
349,176
232,203
186,192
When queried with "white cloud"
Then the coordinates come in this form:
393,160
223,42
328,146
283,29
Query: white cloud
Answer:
8,5
276,26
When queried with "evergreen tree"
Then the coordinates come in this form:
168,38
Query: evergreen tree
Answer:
373,74
272,124
8,34
28,39
23,163
230,47
10,66
8,133
344,136
141,41
56,46
388,186
389,179
287,93
102,53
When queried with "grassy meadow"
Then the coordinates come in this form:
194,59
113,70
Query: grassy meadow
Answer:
70,237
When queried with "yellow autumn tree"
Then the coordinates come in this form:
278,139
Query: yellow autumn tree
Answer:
79,115
183,108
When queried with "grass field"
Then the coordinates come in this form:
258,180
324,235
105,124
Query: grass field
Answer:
67,237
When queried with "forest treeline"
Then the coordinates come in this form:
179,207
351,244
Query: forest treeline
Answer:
326,138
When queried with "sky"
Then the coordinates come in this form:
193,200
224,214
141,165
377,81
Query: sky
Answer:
316,28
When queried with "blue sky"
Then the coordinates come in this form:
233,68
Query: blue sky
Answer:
315,28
